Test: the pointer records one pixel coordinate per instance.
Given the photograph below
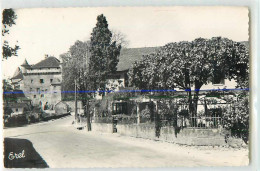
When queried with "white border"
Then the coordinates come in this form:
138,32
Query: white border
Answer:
254,8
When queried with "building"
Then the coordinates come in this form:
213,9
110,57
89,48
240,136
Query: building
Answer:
119,80
128,106
40,82
17,108
61,108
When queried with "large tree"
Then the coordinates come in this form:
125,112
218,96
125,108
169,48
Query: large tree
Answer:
8,21
104,53
187,64
89,63
75,71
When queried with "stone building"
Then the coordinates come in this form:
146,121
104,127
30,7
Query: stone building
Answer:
40,82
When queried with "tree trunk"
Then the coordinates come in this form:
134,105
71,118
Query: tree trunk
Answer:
191,111
87,112
88,116
196,97
195,103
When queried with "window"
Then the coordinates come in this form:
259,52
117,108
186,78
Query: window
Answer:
51,80
41,81
31,81
16,110
120,108
34,96
42,95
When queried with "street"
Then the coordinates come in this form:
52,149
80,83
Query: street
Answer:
63,146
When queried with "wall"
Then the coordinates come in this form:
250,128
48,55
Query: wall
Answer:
72,106
43,70
186,136
51,93
19,112
114,83
228,84
102,127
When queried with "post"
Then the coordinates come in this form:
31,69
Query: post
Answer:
76,104
138,113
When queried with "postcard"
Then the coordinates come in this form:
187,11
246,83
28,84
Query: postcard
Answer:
103,87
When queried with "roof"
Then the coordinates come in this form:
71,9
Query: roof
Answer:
62,103
49,62
18,74
15,95
26,64
129,56
18,93
17,105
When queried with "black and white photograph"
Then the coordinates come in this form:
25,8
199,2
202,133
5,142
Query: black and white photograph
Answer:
126,87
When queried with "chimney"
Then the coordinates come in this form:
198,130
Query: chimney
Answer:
46,56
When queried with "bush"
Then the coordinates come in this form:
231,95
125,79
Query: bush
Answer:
236,117
17,120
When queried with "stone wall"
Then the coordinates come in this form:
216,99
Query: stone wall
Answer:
48,92
186,136
102,127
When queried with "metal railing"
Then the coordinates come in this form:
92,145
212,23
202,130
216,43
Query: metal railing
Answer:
205,122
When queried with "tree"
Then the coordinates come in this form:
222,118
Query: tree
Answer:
236,115
104,53
8,20
75,70
119,38
7,89
187,64
89,63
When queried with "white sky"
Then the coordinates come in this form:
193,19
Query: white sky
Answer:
53,31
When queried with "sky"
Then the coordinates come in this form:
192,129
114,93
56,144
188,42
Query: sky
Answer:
52,31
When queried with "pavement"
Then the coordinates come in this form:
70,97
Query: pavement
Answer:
61,145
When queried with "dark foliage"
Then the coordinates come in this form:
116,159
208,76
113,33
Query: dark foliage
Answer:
8,21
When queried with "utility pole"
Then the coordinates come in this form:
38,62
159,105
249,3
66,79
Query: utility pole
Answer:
76,104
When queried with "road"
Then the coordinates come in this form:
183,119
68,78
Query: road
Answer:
63,146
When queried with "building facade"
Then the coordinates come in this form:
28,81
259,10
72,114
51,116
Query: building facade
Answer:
40,82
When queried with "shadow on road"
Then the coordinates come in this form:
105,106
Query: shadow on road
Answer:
20,153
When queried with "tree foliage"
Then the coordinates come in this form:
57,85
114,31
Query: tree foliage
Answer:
191,64
76,73
89,63
236,116
119,38
75,67
8,20
104,53
7,88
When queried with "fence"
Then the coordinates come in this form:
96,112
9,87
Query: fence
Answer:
205,122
